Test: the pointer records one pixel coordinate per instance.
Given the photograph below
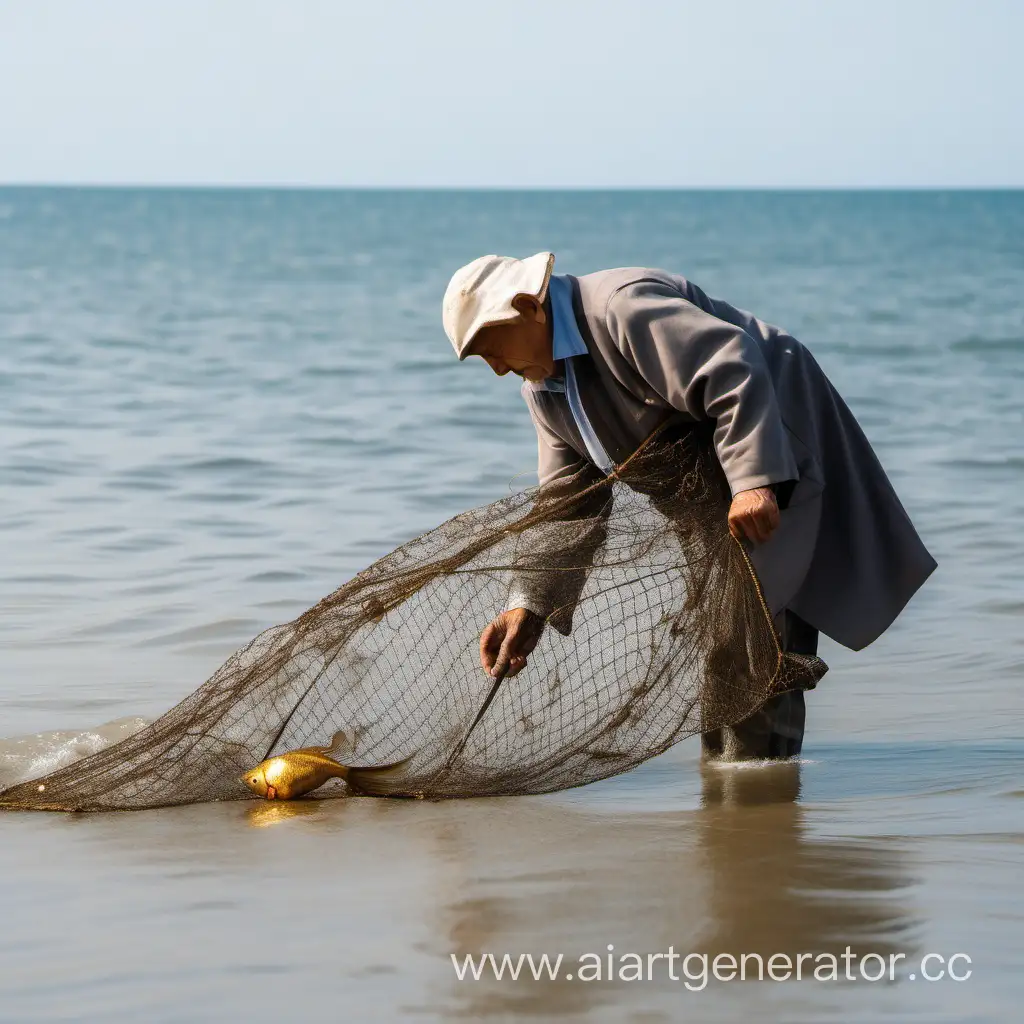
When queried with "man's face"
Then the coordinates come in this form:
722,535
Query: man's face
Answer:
522,346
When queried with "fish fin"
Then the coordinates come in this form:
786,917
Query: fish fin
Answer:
385,780
339,744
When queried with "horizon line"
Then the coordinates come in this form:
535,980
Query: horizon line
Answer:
293,187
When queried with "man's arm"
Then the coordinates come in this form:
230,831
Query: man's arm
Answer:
562,472
710,369
565,545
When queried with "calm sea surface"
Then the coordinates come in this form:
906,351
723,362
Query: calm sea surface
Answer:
216,406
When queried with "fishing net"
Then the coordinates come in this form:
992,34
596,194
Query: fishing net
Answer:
657,631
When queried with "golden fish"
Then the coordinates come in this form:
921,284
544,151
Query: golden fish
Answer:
296,772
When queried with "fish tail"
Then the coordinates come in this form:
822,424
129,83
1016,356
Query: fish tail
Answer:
386,780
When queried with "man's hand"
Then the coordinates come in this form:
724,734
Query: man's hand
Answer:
754,515
507,641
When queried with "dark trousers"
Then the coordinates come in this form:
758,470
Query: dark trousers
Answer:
776,729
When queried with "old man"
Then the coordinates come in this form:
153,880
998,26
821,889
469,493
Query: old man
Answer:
606,358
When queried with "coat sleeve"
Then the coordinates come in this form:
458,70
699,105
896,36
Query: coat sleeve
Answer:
556,558
706,368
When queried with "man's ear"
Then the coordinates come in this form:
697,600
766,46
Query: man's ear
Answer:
530,308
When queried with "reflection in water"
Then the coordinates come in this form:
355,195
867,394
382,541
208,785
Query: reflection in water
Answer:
267,813
772,888
742,874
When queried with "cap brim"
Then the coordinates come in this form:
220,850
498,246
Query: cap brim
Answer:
490,321
537,291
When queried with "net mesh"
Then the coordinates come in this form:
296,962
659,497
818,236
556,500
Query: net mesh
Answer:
657,631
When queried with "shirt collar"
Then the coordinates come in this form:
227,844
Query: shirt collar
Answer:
566,340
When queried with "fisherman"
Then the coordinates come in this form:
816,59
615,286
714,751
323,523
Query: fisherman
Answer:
607,358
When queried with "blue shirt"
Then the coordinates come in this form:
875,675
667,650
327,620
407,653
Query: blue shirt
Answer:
567,345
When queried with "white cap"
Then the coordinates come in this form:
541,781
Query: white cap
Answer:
481,294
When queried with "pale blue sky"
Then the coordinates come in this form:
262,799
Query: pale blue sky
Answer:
719,93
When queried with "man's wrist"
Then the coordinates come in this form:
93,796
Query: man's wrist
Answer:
518,601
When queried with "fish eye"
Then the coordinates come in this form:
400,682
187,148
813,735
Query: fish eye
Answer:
254,779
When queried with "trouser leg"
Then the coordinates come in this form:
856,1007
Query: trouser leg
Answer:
776,729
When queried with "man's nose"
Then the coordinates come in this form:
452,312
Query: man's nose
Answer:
498,366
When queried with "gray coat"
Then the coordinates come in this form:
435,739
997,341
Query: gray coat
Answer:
846,557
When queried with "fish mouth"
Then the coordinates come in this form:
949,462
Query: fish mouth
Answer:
271,793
